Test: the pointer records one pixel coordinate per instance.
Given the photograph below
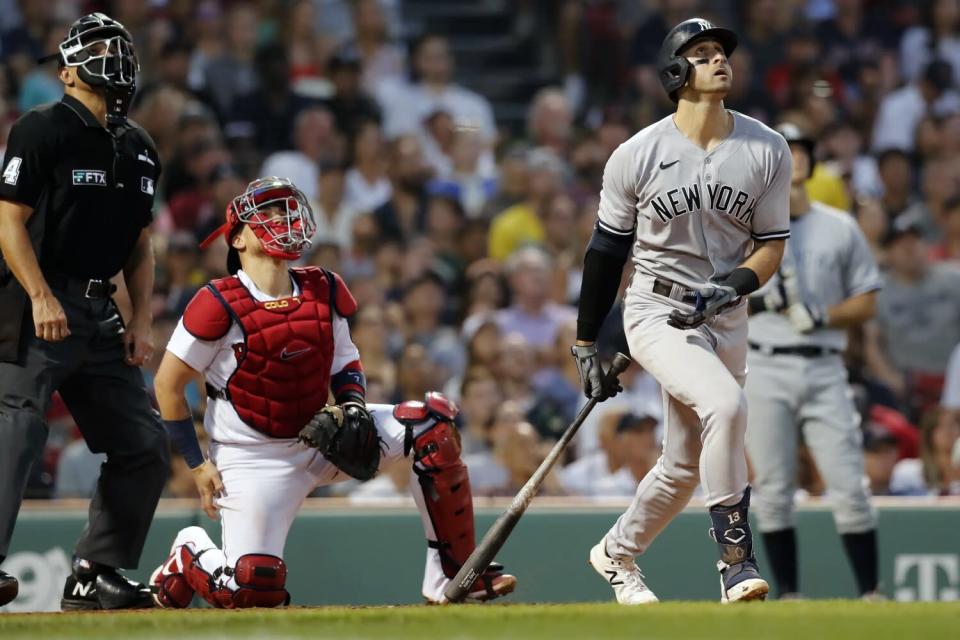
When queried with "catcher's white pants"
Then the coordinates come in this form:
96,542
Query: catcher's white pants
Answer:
701,372
266,483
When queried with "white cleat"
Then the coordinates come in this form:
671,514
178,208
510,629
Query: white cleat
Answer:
747,583
622,574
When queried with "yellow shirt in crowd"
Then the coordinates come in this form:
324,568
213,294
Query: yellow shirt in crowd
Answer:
512,228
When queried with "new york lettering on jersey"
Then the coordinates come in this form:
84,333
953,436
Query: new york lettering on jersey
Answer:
720,199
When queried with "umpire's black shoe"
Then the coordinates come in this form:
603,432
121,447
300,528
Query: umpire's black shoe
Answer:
108,590
9,587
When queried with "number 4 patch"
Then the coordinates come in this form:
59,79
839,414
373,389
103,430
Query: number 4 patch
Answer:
12,172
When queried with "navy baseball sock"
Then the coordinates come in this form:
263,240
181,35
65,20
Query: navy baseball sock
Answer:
781,548
861,549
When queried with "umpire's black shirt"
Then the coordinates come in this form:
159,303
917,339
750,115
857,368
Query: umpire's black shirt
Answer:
91,187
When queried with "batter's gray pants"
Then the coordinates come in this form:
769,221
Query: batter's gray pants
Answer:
705,415
789,396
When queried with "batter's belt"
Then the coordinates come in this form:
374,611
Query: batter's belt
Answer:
804,351
674,291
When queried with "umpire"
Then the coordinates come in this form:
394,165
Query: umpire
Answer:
76,195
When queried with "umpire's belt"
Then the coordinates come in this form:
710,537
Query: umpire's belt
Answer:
674,291
804,351
83,287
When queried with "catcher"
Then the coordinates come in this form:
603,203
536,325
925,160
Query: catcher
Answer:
271,341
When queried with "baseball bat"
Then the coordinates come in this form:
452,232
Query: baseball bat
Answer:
497,535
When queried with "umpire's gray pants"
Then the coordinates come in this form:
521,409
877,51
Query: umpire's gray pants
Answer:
789,396
109,401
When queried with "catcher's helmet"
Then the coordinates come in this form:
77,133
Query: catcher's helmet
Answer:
673,69
793,135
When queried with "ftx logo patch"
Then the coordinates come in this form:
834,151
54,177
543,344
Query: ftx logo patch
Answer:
90,176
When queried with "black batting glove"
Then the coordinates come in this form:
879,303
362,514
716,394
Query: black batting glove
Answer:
591,375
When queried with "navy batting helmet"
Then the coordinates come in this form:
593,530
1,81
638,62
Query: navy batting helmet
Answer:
675,70
794,135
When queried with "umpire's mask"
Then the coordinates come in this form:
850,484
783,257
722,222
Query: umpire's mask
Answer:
102,51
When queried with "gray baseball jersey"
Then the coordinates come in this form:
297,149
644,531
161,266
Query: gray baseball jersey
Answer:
831,262
695,212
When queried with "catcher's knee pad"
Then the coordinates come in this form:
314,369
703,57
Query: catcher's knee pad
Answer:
260,580
446,491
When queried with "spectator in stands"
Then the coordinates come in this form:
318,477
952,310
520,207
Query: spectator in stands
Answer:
561,243
350,104
637,451
406,107
938,37
938,186
515,366
557,386
521,223
950,400
879,464
855,36
303,50
587,471
902,110
550,121
334,215
948,249
517,452
423,306
315,140
445,220
896,176
480,395
382,61
78,470
467,174
404,214
937,472
368,186
265,115
917,322
532,314
232,73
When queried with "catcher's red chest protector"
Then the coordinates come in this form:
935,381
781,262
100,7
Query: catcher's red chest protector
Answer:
283,365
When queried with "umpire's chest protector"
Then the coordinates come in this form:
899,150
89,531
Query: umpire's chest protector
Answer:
283,364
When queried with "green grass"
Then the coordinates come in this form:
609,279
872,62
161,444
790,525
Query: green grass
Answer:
810,620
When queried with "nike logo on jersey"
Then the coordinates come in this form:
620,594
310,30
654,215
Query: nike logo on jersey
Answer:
290,355
667,165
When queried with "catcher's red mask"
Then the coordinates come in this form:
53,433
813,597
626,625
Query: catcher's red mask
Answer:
278,214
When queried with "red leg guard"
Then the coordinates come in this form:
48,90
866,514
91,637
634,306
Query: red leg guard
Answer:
260,581
170,588
446,490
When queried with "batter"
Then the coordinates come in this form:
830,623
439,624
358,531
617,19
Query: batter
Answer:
701,199
271,343
798,382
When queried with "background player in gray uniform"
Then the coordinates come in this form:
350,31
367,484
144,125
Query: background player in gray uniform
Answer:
797,386
701,198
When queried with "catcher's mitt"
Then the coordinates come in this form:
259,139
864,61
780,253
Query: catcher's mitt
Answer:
346,436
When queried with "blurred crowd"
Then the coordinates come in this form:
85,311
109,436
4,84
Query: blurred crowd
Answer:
459,223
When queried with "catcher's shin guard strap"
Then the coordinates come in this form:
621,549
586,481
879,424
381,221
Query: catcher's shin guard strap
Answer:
732,532
445,484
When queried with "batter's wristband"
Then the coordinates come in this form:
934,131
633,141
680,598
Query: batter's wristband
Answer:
744,281
184,438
